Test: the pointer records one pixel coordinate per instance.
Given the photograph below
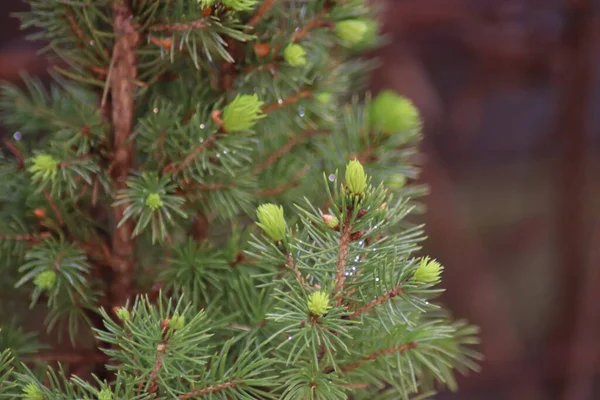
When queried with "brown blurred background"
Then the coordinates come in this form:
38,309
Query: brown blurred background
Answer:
510,93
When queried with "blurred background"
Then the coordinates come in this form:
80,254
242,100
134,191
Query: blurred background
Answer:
510,95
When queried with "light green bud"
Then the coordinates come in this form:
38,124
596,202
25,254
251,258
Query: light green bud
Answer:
429,271
240,5
242,113
351,31
33,392
356,179
394,113
271,221
153,201
330,220
123,314
44,166
105,394
45,280
318,303
324,97
177,322
295,55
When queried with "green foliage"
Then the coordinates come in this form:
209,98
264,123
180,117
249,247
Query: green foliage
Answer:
239,108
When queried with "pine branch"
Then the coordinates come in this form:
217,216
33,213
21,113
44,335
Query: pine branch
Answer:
341,262
260,13
16,152
209,389
377,354
294,268
54,207
124,73
160,352
179,27
285,149
377,301
317,21
26,237
290,100
286,186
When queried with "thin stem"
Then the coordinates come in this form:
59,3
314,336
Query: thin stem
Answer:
285,149
377,354
343,250
26,237
290,100
16,152
294,268
161,350
179,27
286,186
377,301
209,389
260,13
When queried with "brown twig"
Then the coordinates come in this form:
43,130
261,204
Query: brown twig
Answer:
377,301
179,27
286,186
16,152
123,76
290,100
377,354
26,237
316,22
190,157
54,207
283,150
160,352
209,389
75,28
294,268
341,262
260,13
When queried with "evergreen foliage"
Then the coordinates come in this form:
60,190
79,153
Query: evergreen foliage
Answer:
206,190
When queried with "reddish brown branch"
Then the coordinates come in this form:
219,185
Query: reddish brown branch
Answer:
123,76
290,100
209,389
286,186
377,301
317,21
75,28
377,354
260,13
340,273
179,27
294,268
16,152
54,207
161,349
26,237
190,157
283,150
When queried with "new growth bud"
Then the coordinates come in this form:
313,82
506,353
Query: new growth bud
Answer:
318,303
429,271
394,113
271,221
45,280
242,113
105,394
44,166
177,322
123,314
32,392
331,221
240,5
356,179
153,201
295,55
351,31
324,97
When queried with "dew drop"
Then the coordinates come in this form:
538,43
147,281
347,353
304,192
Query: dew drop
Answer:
17,135
280,101
202,126
155,111
224,151
302,111
92,43
353,268
332,177
376,279
201,140
289,338
218,155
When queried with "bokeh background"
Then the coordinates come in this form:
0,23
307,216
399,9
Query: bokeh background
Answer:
510,95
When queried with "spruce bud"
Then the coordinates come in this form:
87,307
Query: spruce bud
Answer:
318,303
356,179
33,392
105,394
242,113
44,166
295,55
45,280
429,271
153,201
123,314
324,97
331,221
240,5
271,221
351,31
177,322
394,113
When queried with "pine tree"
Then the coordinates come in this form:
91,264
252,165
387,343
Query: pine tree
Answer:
207,189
